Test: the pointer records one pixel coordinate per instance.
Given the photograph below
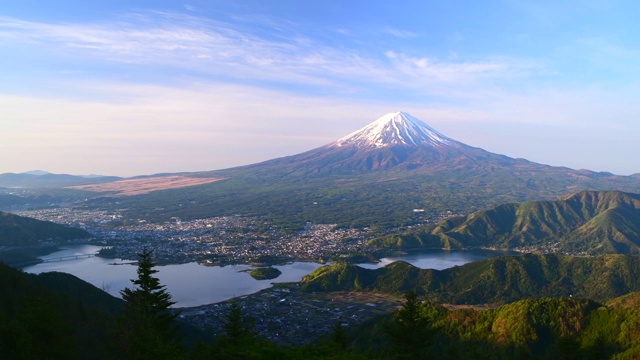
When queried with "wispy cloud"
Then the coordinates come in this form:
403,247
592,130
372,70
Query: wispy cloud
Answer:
399,33
236,51
161,128
442,71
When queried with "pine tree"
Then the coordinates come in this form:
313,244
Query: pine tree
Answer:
410,332
339,337
238,327
147,329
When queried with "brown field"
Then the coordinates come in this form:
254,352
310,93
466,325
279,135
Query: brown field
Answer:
473,307
146,185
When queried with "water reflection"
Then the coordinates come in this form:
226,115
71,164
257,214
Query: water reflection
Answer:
192,284
438,259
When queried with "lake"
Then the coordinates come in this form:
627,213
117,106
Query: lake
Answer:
192,284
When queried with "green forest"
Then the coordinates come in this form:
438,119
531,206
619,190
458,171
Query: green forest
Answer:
57,316
587,223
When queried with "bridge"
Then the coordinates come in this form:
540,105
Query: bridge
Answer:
69,257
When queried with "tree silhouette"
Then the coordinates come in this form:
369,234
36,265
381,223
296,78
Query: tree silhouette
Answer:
238,327
410,331
147,329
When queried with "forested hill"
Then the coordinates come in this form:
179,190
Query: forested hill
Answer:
545,328
496,280
23,231
53,315
589,222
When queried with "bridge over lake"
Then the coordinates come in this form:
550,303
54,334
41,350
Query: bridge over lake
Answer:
69,257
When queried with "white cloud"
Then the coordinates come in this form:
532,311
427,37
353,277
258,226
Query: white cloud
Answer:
403,34
203,128
432,69
150,129
208,123
230,50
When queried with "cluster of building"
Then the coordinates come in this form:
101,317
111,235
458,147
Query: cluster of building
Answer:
288,316
216,241
213,241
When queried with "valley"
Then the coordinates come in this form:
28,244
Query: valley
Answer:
220,240
397,186
319,180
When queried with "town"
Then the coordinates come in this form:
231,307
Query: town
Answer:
220,240
289,316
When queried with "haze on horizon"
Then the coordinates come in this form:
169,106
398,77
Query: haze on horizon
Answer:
142,87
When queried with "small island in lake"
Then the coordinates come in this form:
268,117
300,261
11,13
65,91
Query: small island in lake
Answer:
265,273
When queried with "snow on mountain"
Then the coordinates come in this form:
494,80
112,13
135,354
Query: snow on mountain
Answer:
397,128
394,141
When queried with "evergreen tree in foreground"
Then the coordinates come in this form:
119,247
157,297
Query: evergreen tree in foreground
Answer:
147,329
410,332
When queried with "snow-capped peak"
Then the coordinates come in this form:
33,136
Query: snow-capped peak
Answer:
397,128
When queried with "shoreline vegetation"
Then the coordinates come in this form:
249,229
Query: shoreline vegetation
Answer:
265,273
373,257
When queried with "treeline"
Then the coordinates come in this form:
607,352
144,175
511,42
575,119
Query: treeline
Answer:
21,238
546,328
496,280
23,231
53,315
57,316
589,222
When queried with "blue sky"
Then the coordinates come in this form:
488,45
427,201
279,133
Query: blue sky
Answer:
140,87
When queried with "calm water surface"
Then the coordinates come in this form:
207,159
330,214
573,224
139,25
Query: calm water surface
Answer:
192,284
439,259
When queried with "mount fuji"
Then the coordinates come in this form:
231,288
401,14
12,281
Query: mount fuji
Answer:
376,175
394,142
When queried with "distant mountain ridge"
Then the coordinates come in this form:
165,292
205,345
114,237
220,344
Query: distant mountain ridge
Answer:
43,179
374,176
591,222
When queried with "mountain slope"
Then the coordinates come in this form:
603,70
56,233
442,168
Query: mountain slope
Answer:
23,231
395,141
592,222
54,316
375,175
496,280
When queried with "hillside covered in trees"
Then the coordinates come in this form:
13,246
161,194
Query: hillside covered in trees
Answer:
22,239
589,222
23,231
497,280
544,328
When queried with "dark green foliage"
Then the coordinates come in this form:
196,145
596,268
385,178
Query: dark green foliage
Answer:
50,316
410,331
339,337
590,222
80,290
496,280
24,256
265,273
564,328
23,231
40,332
147,329
239,340
238,327
292,196
53,316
